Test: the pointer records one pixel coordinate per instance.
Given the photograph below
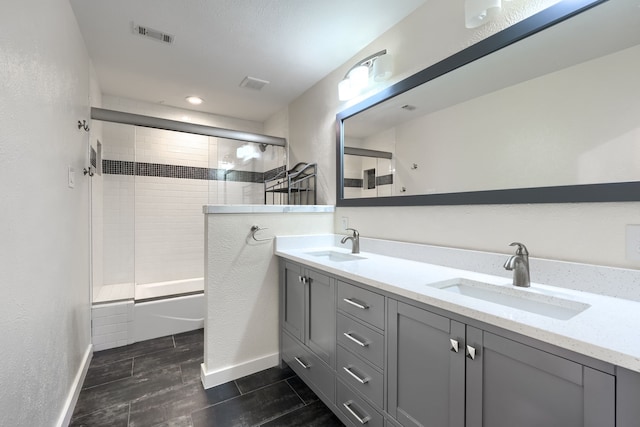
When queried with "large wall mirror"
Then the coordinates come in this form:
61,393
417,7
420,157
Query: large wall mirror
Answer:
546,111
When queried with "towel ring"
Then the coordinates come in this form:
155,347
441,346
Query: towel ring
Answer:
254,230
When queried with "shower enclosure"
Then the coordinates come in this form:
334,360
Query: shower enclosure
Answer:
154,185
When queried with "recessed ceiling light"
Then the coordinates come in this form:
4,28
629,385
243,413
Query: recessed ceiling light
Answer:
195,100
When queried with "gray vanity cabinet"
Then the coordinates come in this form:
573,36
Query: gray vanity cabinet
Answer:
512,384
382,360
426,383
308,311
320,316
292,294
445,373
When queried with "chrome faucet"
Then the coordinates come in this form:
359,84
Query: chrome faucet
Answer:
519,263
355,239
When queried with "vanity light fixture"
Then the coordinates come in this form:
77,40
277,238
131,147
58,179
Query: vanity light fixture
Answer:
378,66
479,12
194,100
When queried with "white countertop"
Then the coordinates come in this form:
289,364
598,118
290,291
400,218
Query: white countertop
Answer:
607,330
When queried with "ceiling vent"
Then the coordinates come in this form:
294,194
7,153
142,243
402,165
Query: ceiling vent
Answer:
153,34
253,83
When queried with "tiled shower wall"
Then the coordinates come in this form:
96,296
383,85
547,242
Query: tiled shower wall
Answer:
354,167
155,184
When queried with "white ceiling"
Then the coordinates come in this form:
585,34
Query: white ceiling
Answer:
290,43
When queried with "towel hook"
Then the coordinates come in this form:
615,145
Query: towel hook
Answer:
254,230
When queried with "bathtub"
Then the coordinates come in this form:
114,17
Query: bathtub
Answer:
156,310
151,291
167,308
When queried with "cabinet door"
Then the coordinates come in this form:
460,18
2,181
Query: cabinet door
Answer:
425,373
512,384
321,317
293,307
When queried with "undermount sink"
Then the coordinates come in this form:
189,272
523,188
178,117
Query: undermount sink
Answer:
336,256
545,305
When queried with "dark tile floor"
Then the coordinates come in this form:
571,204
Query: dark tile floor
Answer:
157,383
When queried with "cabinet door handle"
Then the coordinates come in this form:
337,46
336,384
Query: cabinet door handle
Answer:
355,340
361,420
455,346
471,352
304,365
357,378
303,279
355,304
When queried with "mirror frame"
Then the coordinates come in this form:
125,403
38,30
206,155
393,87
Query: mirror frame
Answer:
607,192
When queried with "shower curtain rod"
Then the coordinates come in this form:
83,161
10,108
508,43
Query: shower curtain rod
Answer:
166,124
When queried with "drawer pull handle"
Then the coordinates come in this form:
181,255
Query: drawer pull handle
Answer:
355,340
304,365
355,304
357,378
347,406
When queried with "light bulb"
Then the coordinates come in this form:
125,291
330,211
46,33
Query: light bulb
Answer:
383,68
359,77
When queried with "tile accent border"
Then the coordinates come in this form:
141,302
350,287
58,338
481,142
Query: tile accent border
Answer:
123,167
358,182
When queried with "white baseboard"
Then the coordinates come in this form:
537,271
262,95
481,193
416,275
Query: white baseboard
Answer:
72,397
230,373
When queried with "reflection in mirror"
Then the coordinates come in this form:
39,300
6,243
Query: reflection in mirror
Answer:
559,108
368,173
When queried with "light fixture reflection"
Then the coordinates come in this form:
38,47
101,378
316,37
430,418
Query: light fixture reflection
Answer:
247,152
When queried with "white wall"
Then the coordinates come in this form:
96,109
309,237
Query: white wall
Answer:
592,233
44,249
241,325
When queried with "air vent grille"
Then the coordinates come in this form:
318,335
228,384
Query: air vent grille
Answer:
151,33
253,83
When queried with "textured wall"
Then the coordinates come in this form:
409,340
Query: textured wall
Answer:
44,232
242,284
592,233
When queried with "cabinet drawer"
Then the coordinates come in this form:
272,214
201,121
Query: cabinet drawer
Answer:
361,303
308,366
356,409
360,375
361,340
